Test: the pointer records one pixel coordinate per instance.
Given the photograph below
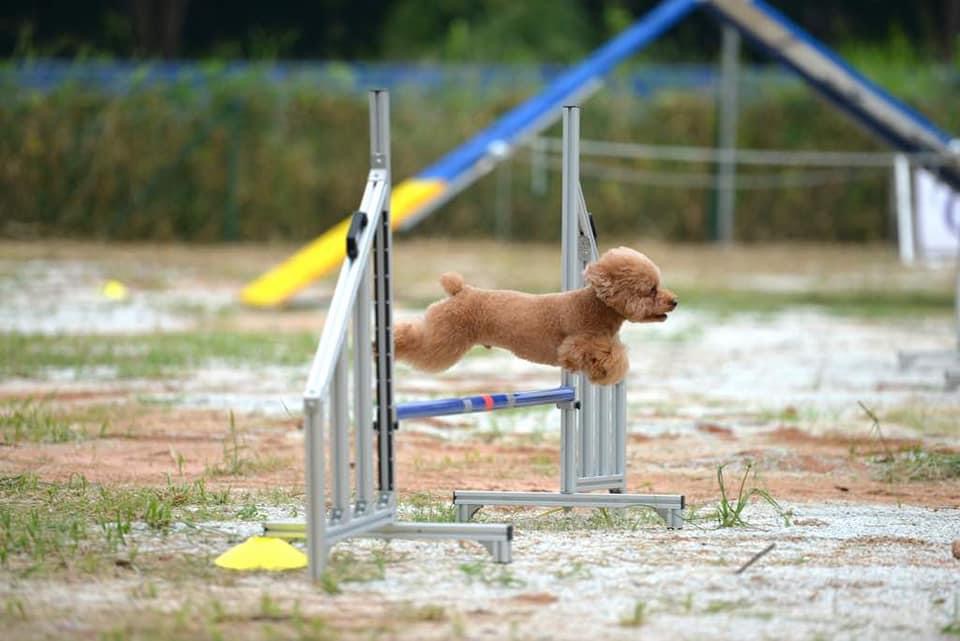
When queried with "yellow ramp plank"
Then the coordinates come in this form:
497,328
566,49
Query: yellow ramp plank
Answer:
327,251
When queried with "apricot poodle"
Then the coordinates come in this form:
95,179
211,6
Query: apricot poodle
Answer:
576,330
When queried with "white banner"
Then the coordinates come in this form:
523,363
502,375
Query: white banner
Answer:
937,209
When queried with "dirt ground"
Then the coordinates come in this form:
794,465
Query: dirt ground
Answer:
746,374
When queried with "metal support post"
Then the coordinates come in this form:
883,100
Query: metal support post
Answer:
588,432
604,409
363,401
386,419
339,447
904,207
568,281
726,170
620,430
316,496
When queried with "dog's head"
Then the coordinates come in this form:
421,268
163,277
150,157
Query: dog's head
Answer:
629,282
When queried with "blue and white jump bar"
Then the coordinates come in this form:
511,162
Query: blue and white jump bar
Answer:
484,403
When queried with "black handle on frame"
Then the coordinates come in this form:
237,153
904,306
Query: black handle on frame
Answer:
357,225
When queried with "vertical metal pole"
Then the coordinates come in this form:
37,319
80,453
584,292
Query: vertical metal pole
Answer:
339,435
362,409
604,425
386,412
726,170
316,497
904,197
620,429
588,431
568,255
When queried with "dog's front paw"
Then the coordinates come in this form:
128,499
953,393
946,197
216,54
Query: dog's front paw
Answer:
603,359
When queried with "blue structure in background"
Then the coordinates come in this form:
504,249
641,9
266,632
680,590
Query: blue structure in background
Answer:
124,77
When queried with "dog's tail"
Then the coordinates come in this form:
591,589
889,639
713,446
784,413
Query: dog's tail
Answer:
452,283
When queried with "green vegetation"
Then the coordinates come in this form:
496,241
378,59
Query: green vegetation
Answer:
427,612
238,459
864,303
246,157
208,619
77,524
926,419
490,573
953,627
911,464
427,508
346,567
729,510
149,355
576,570
636,618
33,421
918,464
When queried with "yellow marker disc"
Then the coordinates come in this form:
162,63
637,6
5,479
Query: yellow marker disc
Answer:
115,290
262,553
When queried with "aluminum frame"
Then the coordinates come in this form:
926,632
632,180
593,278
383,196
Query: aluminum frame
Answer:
593,427
360,509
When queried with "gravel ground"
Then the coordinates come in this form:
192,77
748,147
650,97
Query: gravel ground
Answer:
837,571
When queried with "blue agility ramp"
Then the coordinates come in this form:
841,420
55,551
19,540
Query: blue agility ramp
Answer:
540,111
887,117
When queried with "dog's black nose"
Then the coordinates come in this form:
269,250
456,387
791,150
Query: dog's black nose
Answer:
674,303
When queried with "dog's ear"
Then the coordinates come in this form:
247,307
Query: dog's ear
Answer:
601,275
598,276
621,279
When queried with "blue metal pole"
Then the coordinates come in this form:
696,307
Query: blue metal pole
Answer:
484,403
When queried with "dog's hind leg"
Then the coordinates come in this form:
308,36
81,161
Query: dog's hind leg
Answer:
434,343
602,358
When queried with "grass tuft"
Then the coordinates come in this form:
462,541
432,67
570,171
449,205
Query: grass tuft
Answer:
424,507
912,464
46,526
918,464
729,510
636,618
237,459
491,574
33,421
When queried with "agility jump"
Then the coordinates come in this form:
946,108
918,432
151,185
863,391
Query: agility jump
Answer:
593,417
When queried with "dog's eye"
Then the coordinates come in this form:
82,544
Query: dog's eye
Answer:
653,290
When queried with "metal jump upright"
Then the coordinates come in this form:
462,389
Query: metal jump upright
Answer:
363,510
593,418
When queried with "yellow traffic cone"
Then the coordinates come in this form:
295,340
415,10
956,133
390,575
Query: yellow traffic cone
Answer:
262,553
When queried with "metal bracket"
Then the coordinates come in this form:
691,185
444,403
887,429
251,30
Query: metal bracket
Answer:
584,249
465,512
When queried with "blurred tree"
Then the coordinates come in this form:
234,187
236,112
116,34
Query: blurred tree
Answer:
490,30
158,25
487,31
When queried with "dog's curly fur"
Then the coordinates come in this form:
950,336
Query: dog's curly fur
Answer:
576,330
